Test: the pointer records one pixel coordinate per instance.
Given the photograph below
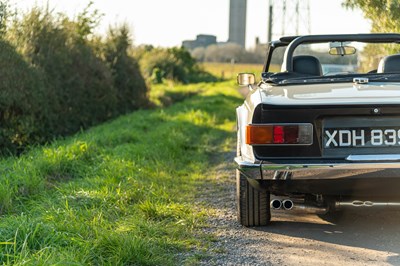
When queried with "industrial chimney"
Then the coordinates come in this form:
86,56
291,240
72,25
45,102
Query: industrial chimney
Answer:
237,22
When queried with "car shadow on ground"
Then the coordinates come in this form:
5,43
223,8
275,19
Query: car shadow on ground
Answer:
373,229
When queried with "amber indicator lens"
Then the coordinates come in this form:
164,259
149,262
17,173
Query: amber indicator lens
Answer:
259,134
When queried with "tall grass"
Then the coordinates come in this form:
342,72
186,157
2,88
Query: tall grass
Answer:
121,193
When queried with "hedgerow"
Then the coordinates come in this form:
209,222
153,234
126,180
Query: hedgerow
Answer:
57,77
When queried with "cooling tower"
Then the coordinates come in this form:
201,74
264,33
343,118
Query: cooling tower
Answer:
237,22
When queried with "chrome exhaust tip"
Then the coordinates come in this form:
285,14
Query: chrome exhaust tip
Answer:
276,204
287,204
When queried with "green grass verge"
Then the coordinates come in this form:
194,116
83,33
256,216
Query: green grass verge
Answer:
168,93
121,193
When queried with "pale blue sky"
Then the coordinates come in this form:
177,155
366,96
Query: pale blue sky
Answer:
167,23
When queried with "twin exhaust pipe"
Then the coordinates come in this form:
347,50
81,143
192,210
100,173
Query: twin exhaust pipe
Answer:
286,204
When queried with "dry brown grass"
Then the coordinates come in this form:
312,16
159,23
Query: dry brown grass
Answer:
229,71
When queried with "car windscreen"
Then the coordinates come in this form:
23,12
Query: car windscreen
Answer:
293,79
337,65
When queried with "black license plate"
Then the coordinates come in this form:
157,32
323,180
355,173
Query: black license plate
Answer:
363,133
361,137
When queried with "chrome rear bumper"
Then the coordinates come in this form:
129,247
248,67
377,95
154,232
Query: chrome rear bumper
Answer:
353,167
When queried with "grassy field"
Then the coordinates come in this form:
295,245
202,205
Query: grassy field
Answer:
230,71
121,193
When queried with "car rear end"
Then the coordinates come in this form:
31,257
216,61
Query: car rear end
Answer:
323,138
330,151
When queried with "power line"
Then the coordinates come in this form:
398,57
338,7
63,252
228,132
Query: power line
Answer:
288,17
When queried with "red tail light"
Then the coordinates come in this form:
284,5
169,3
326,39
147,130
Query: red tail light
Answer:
279,134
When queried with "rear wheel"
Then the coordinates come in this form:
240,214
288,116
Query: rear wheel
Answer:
252,205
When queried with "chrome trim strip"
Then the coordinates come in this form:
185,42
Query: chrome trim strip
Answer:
347,166
242,165
373,157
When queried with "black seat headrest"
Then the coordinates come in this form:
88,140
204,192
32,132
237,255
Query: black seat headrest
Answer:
389,64
307,64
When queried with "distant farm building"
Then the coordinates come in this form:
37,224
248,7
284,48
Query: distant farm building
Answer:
202,40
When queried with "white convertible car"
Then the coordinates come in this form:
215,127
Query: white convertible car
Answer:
321,130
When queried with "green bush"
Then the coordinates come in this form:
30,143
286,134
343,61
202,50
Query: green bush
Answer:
176,64
81,82
130,85
24,101
57,77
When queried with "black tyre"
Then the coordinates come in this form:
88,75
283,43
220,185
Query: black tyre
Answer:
252,205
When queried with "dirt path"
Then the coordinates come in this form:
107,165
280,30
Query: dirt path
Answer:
358,238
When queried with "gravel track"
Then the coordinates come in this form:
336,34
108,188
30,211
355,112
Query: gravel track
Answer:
360,237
